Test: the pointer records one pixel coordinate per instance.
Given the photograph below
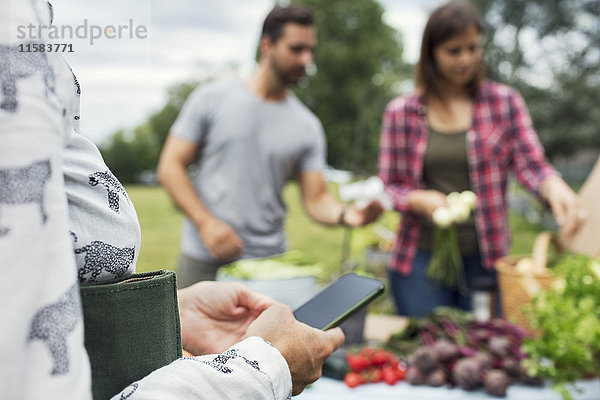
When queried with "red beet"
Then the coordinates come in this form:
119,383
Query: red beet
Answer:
468,351
436,378
414,376
496,382
511,366
500,346
484,360
467,373
446,350
425,358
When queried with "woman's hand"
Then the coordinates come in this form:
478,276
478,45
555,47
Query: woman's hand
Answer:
565,204
216,315
304,348
425,202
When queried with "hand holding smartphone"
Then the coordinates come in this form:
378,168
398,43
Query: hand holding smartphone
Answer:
338,301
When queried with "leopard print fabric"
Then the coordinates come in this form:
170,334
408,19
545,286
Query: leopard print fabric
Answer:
25,185
113,187
100,256
53,323
16,65
220,361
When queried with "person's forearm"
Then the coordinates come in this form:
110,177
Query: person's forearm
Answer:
550,184
325,209
414,203
174,178
251,369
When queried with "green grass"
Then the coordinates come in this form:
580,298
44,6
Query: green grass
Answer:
523,234
321,244
161,225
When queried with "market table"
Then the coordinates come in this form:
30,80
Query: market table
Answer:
332,389
378,328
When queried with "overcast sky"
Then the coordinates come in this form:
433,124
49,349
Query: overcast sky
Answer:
125,79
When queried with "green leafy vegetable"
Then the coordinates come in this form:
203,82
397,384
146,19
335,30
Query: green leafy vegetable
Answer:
292,264
568,321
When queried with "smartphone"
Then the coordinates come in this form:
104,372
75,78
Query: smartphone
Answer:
338,301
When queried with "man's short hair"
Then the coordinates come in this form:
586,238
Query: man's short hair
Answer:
279,16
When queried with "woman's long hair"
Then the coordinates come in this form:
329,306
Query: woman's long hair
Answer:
447,21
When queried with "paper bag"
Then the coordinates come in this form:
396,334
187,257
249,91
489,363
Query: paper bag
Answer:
587,239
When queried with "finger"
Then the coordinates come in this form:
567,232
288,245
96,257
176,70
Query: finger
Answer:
559,213
228,251
235,239
571,224
255,302
335,337
576,217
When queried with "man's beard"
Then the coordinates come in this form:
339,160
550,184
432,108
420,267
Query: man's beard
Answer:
289,77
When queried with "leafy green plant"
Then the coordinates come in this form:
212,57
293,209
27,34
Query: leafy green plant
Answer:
568,321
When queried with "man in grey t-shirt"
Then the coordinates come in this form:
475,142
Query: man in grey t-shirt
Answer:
247,140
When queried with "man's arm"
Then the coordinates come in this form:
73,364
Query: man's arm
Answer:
221,241
323,207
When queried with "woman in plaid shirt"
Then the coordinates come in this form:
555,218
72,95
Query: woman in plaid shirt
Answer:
458,132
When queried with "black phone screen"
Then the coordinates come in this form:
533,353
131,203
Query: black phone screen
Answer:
338,301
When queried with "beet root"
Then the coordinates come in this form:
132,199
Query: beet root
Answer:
484,359
446,350
512,367
467,373
425,358
500,346
436,378
414,376
496,382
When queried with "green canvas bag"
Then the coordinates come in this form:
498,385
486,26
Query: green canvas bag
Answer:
131,329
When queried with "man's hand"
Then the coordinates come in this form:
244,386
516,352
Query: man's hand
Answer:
304,348
221,241
215,315
359,216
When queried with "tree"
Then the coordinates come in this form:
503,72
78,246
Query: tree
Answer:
161,121
358,59
119,155
550,51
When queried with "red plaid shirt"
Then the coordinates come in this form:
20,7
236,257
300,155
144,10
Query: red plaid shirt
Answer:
500,140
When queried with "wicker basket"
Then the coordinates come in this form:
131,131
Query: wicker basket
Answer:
517,288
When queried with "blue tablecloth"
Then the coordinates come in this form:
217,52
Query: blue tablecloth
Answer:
331,389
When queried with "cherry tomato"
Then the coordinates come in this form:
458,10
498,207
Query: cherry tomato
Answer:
351,360
381,357
367,353
400,369
353,379
357,362
389,375
371,375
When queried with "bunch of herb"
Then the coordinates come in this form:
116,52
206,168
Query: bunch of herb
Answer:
567,318
446,266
